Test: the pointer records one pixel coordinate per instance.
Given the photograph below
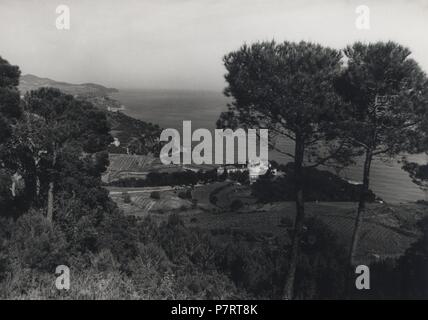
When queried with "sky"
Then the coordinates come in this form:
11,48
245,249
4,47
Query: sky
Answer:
179,44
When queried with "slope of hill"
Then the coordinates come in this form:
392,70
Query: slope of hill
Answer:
135,136
387,230
30,82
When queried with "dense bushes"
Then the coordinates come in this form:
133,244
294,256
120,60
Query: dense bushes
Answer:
132,259
180,178
259,267
318,186
144,259
405,278
322,268
155,195
62,141
156,179
126,197
413,267
236,205
187,194
36,244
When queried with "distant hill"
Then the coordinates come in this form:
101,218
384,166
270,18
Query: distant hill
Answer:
30,82
135,136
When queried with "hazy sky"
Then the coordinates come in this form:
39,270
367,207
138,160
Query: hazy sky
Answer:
180,43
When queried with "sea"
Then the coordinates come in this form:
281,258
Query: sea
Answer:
169,108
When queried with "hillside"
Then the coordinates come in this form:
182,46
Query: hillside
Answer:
30,82
387,230
135,136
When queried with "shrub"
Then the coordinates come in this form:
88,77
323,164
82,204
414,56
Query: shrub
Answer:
155,195
194,203
213,199
104,261
185,194
413,267
236,205
322,264
37,244
286,222
126,197
318,185
120,235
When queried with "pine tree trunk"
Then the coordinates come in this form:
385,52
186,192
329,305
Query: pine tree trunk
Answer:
361,208
299,221
50,201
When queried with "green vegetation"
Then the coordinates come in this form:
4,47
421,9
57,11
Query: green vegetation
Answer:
139,259
236,205
187,194
318,185
386,93
374,104
175,178
289,89
155,195
135,136
210,241
406,277
126,197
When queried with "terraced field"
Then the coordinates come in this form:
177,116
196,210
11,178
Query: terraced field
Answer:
123,165
124,162
135,166
387,231
168,201
142,204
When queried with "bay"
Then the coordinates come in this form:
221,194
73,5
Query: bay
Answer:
169,108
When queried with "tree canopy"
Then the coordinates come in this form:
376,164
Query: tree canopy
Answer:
289,89
387,99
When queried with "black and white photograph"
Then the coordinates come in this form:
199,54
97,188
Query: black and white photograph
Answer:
225,151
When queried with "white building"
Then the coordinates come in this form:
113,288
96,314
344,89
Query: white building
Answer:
256,169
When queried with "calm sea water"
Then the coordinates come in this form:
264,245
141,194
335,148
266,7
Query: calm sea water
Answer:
169,108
